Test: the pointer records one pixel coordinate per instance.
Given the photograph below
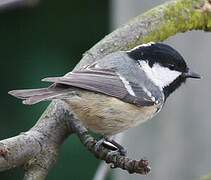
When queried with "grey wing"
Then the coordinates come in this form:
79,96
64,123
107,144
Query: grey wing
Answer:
107,82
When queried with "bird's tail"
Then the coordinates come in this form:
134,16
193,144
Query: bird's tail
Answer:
33,96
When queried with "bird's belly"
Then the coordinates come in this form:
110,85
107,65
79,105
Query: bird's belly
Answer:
108,115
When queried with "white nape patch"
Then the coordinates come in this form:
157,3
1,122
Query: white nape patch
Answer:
161,76
142,45
127,85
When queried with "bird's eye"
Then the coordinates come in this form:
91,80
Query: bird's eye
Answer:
171,66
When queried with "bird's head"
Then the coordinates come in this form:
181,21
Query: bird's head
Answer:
163,65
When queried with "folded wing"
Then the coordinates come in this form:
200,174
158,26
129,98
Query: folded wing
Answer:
107,82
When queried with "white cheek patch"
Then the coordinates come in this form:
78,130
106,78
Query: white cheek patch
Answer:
161,76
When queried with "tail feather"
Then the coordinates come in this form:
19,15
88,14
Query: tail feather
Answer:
33,96
22,94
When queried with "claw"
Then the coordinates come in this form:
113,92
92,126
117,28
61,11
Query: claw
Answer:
111,145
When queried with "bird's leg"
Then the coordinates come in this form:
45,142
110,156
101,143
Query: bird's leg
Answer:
112,145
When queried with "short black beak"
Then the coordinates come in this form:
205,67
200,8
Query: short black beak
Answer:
191,74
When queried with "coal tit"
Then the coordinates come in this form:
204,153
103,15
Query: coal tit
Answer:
119,91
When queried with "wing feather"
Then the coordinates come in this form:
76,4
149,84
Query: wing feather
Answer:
107,82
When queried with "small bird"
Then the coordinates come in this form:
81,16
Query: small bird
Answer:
119,91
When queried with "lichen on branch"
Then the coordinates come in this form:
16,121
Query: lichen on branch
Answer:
155,25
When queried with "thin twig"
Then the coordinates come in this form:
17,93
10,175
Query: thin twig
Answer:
115,159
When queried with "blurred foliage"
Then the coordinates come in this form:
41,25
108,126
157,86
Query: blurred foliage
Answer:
207,177
46,41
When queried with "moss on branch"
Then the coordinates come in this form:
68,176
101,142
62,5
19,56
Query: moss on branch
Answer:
156,25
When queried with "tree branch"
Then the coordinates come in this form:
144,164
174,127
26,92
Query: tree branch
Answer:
155,25
14,4
37,148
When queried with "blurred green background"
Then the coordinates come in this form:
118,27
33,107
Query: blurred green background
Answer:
47,40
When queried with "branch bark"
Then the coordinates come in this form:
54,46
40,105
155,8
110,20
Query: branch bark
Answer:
37,149
14,4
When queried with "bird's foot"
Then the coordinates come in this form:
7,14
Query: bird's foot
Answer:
111,145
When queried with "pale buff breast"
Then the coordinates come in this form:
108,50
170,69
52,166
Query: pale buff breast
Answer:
108,115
